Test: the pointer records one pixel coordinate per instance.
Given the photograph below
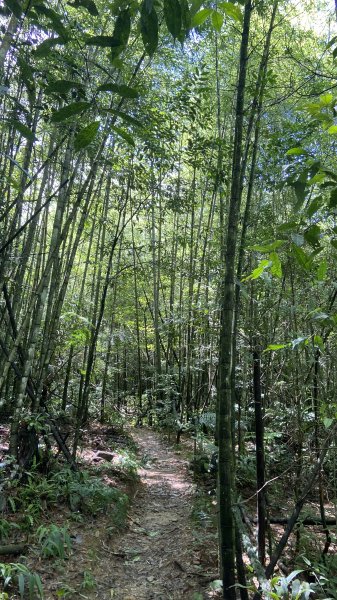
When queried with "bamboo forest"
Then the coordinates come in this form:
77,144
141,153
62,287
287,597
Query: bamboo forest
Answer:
168,299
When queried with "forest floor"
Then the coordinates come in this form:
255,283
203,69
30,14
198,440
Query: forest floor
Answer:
161,553
162,558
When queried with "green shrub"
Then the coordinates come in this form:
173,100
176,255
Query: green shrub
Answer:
55,541
27,582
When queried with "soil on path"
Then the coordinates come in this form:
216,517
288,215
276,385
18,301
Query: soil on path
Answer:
157,557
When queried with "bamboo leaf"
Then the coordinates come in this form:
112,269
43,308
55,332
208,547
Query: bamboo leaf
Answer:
122,90
89,5
62,86
23,129
103,41
71,110
86,136
173,17
149,28
123,134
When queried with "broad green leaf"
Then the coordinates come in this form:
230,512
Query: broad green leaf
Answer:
327,422
200,17
217,20
185,17
312,235
299,187
267,247
23,129
322,270
297,239
55,20
88,4
276,267
296,151
263,265
86,135
103,41
45,47
332,130
326,99
320,316
274,347
288,226
195,6
121,32
332,42
124,134
15,7
124,116
71,110
232,11
300,341
122,90
302,258
333,198
149,28
62,86
173,17
314,206
318,342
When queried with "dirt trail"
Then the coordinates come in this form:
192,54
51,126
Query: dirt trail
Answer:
155,558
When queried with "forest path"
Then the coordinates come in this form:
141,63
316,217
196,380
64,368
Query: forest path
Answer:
155,558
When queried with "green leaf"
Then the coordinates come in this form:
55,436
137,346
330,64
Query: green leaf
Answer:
276,267
318,342
46,47
195,6
299,187
302,258
88,4
327,422
312,235
24,130
55,20
149,28
314,206
274,347
125,117
232,11
262,266
267,247
103,41
21,584
124,134
15,7
217,20
122,90
300,341
296,151
200,17
71,110
62,86
173,17
332,130
185,17
333,198
322,270
86,135
121,32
